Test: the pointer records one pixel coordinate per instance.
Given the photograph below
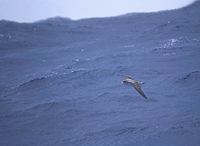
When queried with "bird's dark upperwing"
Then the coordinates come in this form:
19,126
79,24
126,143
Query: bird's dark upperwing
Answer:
139,90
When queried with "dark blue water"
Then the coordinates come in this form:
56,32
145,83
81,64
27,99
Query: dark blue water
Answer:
60,80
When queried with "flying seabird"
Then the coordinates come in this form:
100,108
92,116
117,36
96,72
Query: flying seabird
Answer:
136,84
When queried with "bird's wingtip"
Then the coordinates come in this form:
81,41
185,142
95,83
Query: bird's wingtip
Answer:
146,97
128,76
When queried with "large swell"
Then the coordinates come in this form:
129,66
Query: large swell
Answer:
61,82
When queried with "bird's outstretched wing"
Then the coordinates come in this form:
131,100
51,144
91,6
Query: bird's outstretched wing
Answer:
137,87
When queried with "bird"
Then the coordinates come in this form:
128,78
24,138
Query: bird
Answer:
136,84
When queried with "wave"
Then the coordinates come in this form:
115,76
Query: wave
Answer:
194,75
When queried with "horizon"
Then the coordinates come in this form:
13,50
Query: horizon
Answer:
27,11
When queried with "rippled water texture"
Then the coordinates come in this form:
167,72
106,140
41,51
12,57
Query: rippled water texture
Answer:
60,81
